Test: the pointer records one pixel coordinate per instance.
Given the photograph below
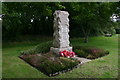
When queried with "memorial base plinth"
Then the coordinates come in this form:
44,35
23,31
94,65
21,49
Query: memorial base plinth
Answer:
57,50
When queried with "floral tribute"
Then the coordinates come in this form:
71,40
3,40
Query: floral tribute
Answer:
67,54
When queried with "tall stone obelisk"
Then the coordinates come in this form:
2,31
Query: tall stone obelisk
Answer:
61,30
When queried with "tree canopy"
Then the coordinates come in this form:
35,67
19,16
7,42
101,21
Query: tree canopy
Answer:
86,19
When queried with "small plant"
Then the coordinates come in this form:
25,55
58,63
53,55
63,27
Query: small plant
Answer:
90,56
49,63
41,48
90,53
81,53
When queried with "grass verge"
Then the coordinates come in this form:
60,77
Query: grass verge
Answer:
105,67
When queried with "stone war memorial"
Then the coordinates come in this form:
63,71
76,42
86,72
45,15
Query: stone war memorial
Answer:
61,32
52,39
59,56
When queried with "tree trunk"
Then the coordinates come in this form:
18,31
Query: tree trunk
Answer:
86,34
86,39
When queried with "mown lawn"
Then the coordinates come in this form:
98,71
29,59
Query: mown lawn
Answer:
105,67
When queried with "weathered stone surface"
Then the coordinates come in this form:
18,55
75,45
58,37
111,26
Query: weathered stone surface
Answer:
82,60
61,30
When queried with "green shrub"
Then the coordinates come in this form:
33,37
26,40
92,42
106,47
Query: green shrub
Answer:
68,63
80,53
44,47
28,59
49,63
82,47
96,52
49,66
41,48
90,56
89,52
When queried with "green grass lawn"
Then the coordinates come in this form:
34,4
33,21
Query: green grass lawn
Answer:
105,67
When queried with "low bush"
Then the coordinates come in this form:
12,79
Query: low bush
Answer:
68,63
81,53
49,63
41,48
90,56
89,52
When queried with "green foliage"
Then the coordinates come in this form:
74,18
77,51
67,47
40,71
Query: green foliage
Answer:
85,18
68,63
49,63
0,7
105,67
90,56
40,48
92,19
44,47
81,53
118,31
90,52
17,20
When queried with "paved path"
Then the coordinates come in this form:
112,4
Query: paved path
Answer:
83,60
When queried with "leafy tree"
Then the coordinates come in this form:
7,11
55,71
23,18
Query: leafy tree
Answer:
92,16
27,18
37,18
